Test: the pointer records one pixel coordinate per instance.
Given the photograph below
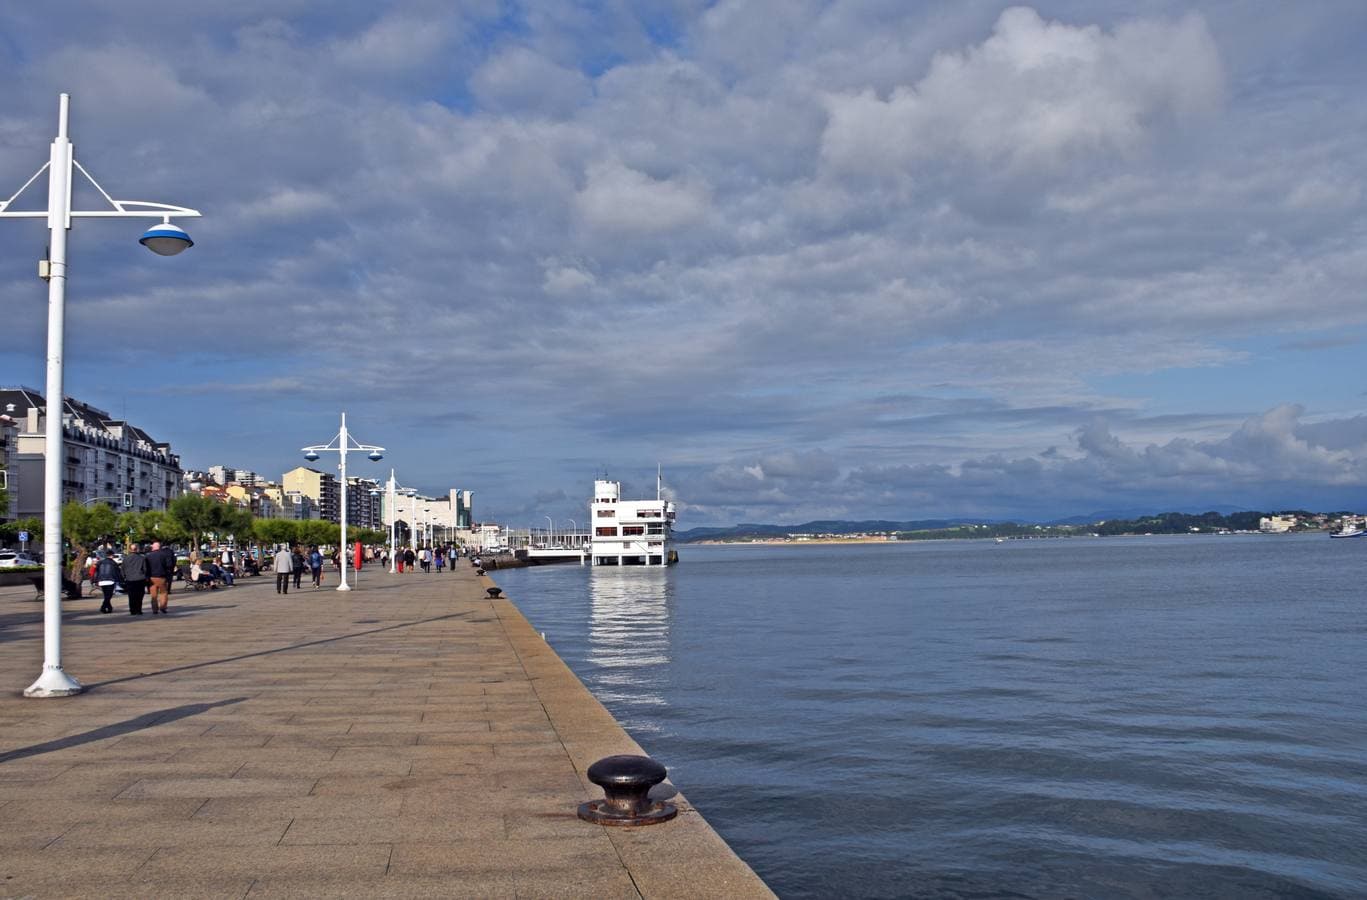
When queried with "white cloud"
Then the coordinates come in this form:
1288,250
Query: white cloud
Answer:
562,280
395,43
622,200
1035,95
520,79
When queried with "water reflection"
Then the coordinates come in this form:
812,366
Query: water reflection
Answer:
629,644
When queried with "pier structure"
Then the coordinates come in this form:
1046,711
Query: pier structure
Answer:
413,737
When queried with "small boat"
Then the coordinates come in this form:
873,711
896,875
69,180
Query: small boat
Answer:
1348,531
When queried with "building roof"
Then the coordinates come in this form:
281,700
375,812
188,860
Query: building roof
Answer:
26,398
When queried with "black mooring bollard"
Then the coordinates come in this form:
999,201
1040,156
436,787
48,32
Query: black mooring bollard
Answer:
626,781
494,592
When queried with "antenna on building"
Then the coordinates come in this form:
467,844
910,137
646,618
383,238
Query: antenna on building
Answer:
659,481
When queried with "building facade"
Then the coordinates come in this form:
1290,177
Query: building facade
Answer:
362,506
463,502
104,458
630,532
320,487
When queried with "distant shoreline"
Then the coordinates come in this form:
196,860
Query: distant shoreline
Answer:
781,542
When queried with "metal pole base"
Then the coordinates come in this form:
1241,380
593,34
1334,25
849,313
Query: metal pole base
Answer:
343,586
54,682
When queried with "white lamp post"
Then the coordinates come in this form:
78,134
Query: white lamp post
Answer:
164,240
344,443
574,528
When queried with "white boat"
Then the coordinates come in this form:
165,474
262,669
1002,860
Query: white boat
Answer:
1352,526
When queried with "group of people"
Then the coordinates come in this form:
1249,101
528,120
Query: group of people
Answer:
144,572
291,563
409,559
147,572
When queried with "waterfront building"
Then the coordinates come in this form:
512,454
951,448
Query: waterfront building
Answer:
630,532
463,504
440,515
103,458
319,487
226,475
9,434
1276,524
362,507
256,499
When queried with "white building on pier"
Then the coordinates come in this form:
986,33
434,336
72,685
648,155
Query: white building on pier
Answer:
630,532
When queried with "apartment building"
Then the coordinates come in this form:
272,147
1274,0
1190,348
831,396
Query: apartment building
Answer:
320,487
104,458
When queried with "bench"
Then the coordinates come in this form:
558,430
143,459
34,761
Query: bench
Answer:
69,587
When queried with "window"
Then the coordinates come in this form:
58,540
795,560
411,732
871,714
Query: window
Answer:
633,529
606,513
605,532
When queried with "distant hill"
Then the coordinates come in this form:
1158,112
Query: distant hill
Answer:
840,526
1126,515
821,526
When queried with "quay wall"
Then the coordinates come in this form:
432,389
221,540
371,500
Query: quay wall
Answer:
708,866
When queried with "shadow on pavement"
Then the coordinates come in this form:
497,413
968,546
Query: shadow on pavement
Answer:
299,646
117,729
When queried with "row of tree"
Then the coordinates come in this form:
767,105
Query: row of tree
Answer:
189,520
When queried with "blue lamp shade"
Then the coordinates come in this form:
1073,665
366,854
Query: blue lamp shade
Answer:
376,456
166,239
310,456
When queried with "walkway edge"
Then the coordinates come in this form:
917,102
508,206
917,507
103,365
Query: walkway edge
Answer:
682,858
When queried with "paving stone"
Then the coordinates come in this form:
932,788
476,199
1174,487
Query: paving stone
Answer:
253,745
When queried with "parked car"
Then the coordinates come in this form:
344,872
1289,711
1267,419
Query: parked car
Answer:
11,558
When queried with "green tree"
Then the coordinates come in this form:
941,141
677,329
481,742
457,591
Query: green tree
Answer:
367,535
320,532
85,526
9,531
276,531
235,522
195,514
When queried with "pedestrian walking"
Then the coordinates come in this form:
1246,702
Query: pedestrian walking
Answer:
299,563
283,568
426,559
161,567
410,557
107,574
316,566
134,578
439,558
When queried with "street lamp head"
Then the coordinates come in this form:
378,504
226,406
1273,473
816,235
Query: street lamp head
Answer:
166,239
376,456
311,456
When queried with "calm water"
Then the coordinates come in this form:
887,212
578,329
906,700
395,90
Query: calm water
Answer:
1120,717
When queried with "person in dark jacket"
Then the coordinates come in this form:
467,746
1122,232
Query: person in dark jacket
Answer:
161,568
107,575
134,578
297,560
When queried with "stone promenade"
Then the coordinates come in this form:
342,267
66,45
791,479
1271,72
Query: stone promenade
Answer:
412,738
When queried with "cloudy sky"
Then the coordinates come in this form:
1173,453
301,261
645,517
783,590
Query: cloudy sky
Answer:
817,259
